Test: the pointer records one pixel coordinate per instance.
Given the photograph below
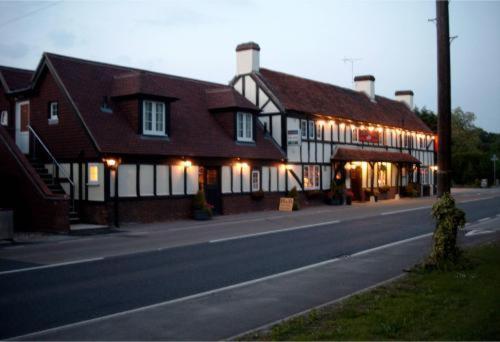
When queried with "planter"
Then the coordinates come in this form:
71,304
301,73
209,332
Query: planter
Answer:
201,215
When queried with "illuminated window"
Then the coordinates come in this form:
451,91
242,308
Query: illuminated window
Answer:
93,174
311,177
53,111
382,174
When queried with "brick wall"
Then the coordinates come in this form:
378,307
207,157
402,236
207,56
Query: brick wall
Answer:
69,128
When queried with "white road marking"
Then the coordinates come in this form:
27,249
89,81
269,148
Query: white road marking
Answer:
404,210
477,199
35,268
206,293
275,231
484,219
478,232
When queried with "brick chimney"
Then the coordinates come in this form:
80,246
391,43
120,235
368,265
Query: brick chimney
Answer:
405,96
247,58
365,84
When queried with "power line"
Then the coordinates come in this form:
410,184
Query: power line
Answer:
28,14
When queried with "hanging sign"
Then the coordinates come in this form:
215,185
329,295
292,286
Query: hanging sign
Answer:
370,137
293,137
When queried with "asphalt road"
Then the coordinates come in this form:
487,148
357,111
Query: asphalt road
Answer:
41,299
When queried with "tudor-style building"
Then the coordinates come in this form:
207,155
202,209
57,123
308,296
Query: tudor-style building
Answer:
101,143
170,136
329,132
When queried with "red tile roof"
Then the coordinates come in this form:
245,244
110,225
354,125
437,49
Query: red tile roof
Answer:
14,78
228,98
351,154
194,131
313,97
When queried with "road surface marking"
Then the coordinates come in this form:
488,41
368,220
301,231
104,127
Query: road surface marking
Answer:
275,231
478,232
404,210
477,199
35,268
206,293
484,219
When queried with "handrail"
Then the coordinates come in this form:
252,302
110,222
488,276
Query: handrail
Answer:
51,156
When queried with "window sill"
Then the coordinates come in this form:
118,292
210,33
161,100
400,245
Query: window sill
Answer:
53,121
93,184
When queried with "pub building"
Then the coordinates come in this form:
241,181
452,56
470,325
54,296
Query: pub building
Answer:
84,141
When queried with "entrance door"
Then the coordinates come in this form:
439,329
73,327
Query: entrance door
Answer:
356,183
209,180
22,122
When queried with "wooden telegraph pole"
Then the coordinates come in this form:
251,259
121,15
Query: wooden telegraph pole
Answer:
444,98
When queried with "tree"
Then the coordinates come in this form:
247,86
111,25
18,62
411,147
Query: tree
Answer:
428,117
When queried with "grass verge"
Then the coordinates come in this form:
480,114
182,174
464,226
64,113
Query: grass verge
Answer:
425,305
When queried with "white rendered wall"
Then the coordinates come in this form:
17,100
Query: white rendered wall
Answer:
250,89
265,178
281,178
274,179
162,185
146,180
177,180
277,129
96,191
327,176
236,179
192,180
367,87
226,179
127,180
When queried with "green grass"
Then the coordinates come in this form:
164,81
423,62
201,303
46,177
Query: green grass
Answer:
432,305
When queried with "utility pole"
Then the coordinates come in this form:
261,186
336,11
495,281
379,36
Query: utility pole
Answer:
494,159
444,98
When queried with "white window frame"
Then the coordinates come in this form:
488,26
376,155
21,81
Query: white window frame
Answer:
311,129
54,112
245,120
155,115
319,131
4,118
303,129
255,186
312,173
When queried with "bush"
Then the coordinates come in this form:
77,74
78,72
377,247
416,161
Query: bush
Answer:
449,219
384,189
411,190
293,193
200,203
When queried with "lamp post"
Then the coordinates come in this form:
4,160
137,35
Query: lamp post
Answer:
112,164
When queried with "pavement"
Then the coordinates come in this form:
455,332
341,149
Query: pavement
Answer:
228,284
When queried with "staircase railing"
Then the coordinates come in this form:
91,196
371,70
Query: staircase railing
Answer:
55,164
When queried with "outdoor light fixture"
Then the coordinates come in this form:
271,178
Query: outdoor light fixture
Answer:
331,122
289,167
111,163
342,125
347,166
187,163
370,128
380,129
321,123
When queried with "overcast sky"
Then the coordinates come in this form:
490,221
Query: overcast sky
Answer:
395,41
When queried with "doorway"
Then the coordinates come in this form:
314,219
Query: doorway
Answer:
356,183
209,182
22,122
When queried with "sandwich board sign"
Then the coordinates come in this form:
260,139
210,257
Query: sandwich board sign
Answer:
286,204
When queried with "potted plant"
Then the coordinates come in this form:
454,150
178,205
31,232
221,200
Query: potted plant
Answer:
384,191
201,209
257,195
348,197
293,193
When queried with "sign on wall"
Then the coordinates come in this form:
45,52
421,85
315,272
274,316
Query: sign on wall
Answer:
368,136
293,137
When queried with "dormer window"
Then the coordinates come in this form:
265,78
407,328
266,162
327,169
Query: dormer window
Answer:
53,112
153,118
244,127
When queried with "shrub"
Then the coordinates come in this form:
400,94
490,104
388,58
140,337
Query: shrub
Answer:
384,189
411,190
200,203
293,193
449,219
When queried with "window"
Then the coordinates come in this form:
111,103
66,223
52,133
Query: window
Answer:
244,126
93,174
354,134
319,131
382,174
4,118
153,118
255,180
303,129
311,129
53,112
311,177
